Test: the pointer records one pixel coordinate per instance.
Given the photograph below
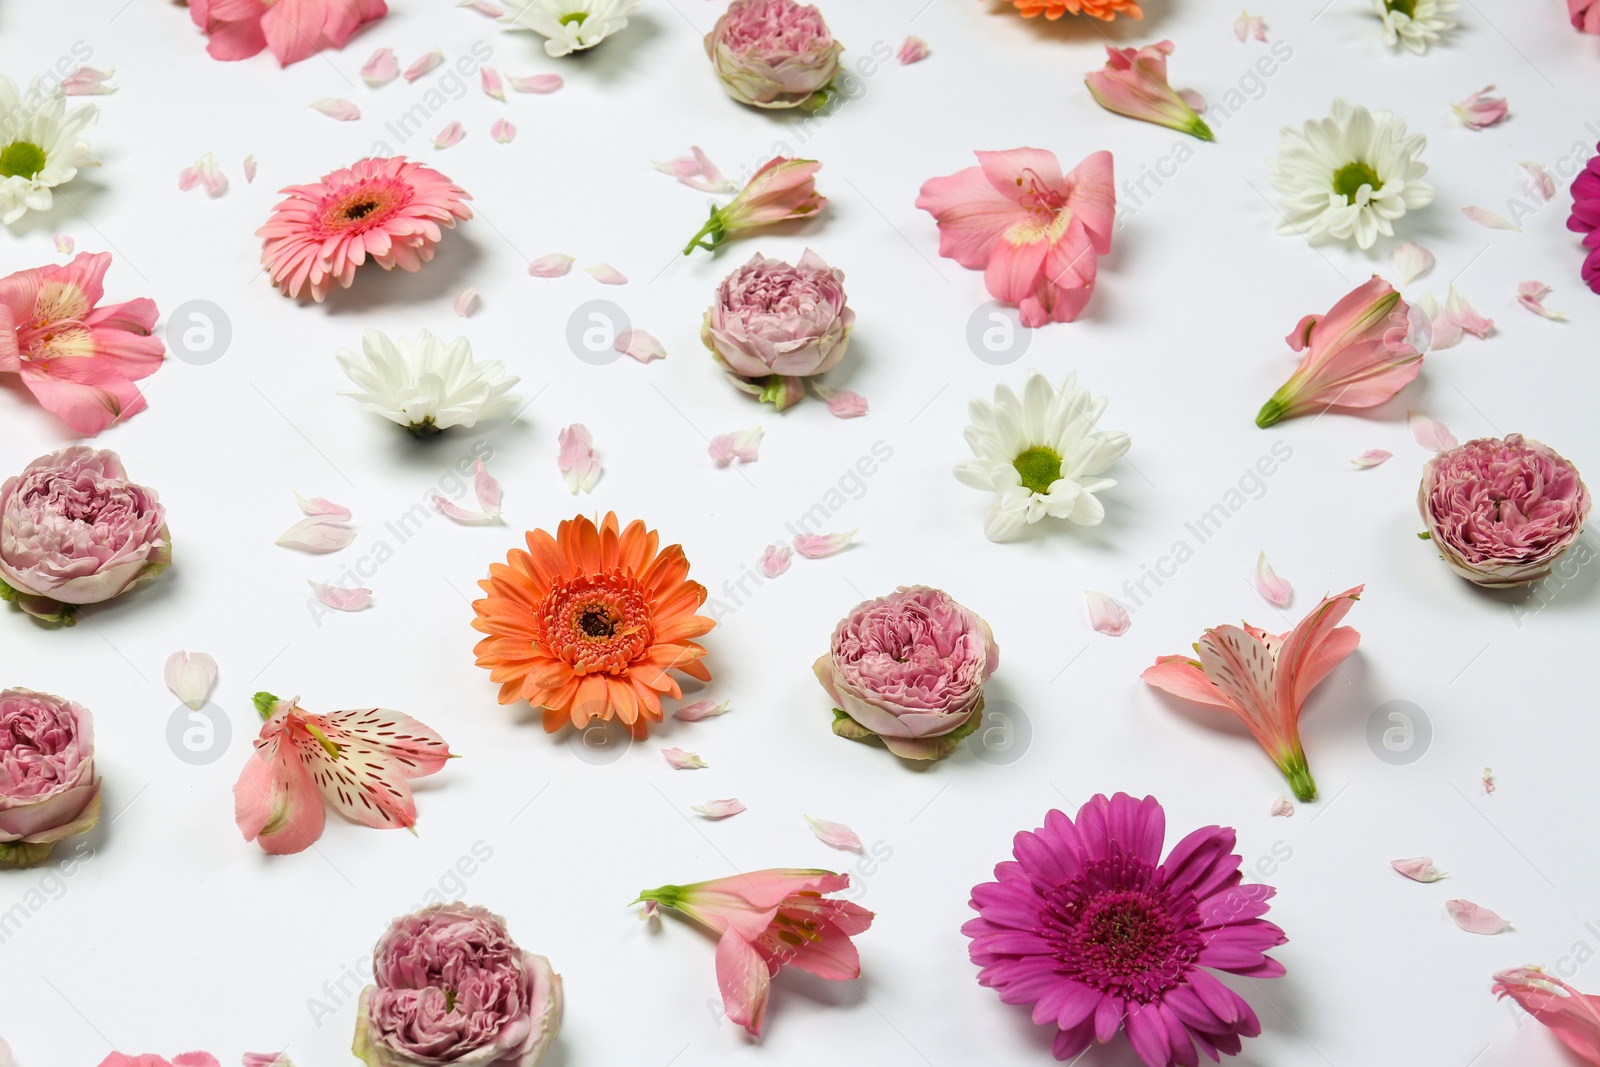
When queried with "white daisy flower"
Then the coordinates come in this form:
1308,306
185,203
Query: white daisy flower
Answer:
1040,455
570,25
41,146
1415,23
1349,176
425,384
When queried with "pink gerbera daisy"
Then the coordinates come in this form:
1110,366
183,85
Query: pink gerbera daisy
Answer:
390,209
1092,929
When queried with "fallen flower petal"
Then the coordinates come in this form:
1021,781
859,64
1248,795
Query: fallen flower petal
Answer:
696,171
493,85
317,534
467,302
341,599
318,505
552,266
334,108
502,131
1106,615
718,809
835,834
1248,25
1411,261
1445,331
1485,217
1418,869
381,69
842,403
1430,433
204,172
1480,110
64,244
741,445
1372,457
483,7
1488,780
450,136
775,560
640,344
457,513
87,81
1469,320
912,50
683,761
537,83
701,709
249,168
818,546
1531,296
1540,183
1475,919
424,65
576,457
191,676
1572,1016
606,274
485,488
1273,590
1282,808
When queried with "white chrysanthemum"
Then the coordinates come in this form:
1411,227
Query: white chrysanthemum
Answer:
571,25
1415,23
1040,455
426,385
1349,176
41,146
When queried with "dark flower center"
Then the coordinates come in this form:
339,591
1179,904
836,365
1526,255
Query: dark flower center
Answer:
597,620
360,209
1117,929
1408,8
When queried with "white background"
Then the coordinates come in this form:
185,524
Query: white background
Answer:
173,933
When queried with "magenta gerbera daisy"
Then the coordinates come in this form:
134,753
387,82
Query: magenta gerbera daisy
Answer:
1585,218
390,209
1092,929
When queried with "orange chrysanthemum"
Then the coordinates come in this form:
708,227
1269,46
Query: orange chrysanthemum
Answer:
586,624
1105,10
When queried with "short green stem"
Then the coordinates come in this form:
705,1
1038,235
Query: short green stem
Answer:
713,228
1272,411
1299,775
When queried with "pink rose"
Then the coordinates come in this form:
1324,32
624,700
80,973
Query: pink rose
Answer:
1501,512
774,53
910,668
74,530
48,790
453,988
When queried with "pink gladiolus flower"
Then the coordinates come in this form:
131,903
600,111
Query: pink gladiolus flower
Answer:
1585,15
358,761
1572,1016
766,919
1034,232
1480,110
1585,217
782,189
1134,83
1358,355
78,358
1264,679
291,29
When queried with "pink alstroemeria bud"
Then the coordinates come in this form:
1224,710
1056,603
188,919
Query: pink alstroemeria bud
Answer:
782,189
1134,83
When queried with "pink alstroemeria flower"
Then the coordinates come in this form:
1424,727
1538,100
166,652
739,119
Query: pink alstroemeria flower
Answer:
360,761
1572,1016
766,919
1358,355
1264,679
782,189
292,29
78,359
1134,83
1034,232
1585,15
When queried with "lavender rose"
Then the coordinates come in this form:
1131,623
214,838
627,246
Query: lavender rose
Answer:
48,790
453,988
774,53
1502,512
909,668
773,325
74,530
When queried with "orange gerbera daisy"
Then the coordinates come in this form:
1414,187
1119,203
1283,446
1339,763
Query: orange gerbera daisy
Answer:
586,624
1105,10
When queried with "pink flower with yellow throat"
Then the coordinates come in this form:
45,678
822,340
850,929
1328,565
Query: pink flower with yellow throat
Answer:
1134,83
292,29
1264,679
1034,232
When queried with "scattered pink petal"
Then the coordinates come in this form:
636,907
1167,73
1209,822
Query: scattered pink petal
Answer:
697,172
1430,433
86,81
1475,919
318,505
640,344
842,403
1531,296
1411,261
1488,780
1446,330
912,50
606,274
741,445
457,513
701,709
317,533
576,457
817,546
493,85
537,83
467,302
1273,590
65,244
249,168
835,834
1469,320
1372,457
718,809
502,131
204,172
1485,217
1539,181
424,65
1192,97
341,599
483,7
552,266
1480,110
683,761
334,108
1418,869
1282,808
1248,25
485,488
1106,615
450,136
191,676
775,560
381,69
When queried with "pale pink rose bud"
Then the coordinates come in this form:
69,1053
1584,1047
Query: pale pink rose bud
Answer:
1134,83
909,668
48,790
774,53
74,530
1502,512
781,190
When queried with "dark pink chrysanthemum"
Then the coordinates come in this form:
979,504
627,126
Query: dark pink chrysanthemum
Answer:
1092,929
1585,217
390,209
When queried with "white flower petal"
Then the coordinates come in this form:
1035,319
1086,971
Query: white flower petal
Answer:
191,676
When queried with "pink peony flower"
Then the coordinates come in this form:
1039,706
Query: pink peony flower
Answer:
1358,355
1585,15
390,209
1090,927
48,788
766,919
451,987
1501,512
1264,679
1585,217
773,325
1134,83
358,761
1033,232
909,669
292,29
79,359
183,1059
774,53
782,189
74,530
1572,1016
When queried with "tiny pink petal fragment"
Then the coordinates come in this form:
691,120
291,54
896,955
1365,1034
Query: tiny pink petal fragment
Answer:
65,244
1192,97
1372,457
493,85
204,172
87,81
1273,590
335,108
467,302
683,761
1411,261
318,505
1462,314
552,266
502,131
700,710
485,488
1430,433
341,599
424,65
1480,110
1531,296
317,534
640,344
483,7
1485,217
1282,808
450,136
1475,919
842,403
1539,181
741,445
912,50
834,834
651,910
1418,869
381,69
1488,780
696,171
606,274
775,560
457,513
1248,25
576,457
818,546
718,809
191,676
537,83
1106,615
249,168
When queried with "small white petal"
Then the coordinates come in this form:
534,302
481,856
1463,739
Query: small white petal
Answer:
1106,615
341,599
836,834
718,809
191,676
318,534
334,108
1273,590
683,761
701,709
